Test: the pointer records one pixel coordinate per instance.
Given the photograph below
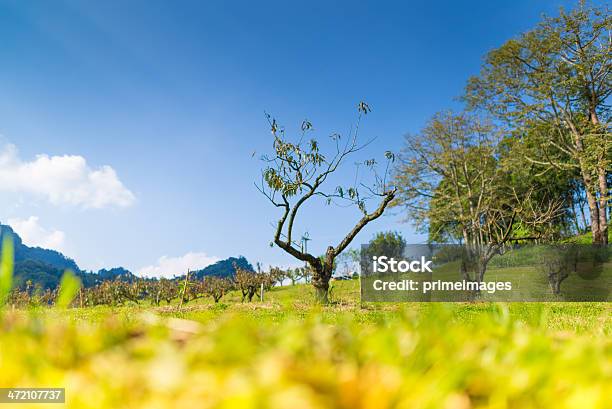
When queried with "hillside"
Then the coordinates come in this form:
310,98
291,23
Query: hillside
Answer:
44,267
224,268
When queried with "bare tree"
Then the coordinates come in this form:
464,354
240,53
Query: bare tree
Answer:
216,287
246,282
298,172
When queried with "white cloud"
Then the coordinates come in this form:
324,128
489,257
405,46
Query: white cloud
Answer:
170,266
33,234
65,179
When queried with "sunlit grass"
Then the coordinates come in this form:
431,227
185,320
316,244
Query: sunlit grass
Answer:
288,352
268,355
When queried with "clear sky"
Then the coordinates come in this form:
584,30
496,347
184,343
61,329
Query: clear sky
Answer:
127,128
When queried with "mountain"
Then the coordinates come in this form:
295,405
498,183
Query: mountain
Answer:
50,257
44,267
224,268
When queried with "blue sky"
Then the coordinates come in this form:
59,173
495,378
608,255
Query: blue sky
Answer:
146,113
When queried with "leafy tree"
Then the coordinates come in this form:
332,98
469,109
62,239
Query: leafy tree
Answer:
451,179
552,85
390,244
543,181
298,172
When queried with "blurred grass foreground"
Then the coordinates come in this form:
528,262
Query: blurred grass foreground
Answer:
287,353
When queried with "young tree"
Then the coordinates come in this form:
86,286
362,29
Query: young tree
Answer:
216,287
557,264
247,282
276,275
553,84
293,274
298,172
349,261
452,183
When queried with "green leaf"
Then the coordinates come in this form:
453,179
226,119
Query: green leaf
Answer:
364,108
6,269
69,288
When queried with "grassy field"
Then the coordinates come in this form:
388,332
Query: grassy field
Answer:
287,352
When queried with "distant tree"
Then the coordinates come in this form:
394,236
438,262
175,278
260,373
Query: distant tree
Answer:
215,287
116,273
165,290
557,264
277,275
297,172
552,85
296,274
271,277
247,282
390,244
349,260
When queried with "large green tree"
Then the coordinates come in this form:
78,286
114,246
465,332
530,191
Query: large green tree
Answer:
552,86
452,181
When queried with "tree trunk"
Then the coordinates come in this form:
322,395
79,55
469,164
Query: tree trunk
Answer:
322,272
603,196
575,215
321,290
594,214
482,268
555,288
602,182
320,281
251,293
585,225
464,271
587,180
483,262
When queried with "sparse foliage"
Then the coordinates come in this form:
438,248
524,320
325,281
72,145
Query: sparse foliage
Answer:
298,171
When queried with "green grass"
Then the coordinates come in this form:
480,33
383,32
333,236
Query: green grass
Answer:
586,238
287,352
298,303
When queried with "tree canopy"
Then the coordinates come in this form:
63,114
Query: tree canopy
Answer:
551,86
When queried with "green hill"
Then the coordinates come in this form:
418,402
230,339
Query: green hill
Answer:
224,268
44,268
